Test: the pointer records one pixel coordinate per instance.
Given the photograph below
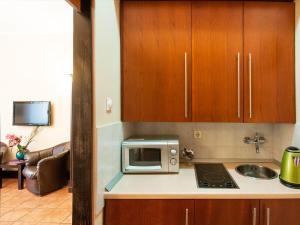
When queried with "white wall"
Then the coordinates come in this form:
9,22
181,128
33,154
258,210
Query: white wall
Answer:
285,134
35,54
110,131
107,58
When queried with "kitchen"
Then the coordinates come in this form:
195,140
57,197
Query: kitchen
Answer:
213,74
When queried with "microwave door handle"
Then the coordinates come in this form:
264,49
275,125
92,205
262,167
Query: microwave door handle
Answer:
143,168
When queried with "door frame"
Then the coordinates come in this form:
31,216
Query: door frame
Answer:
82,114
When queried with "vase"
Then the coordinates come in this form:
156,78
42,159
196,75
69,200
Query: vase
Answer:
20,155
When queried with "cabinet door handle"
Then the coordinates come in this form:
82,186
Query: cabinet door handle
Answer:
254,216
239,85
185,85
186,216
250,85
268,216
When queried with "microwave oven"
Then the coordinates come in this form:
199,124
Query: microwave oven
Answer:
150,154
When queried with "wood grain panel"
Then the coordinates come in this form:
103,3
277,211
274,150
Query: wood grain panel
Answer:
82,121
124,212
75,3
165,212
269,37
225,212
149,212
155,37
217,40
281,212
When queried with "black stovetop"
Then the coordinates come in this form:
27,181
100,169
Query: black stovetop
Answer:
213,175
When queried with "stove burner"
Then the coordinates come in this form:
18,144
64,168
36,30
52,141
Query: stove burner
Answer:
213,175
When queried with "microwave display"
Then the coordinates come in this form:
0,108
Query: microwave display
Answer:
145,157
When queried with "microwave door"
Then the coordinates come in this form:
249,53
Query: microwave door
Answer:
146,159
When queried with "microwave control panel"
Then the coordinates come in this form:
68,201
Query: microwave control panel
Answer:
173,159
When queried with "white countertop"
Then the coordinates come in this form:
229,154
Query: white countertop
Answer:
183,186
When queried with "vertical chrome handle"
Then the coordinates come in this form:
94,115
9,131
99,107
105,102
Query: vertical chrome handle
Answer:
185,85
250,85
186,216
239,85
268,216
254,216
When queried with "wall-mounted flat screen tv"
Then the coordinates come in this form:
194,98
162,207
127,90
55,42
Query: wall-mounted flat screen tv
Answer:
32,113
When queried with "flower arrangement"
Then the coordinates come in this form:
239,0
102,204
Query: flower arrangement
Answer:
14,140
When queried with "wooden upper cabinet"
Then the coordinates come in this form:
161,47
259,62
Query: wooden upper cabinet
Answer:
156,57
225,212
269,31
217,73
76,4
280,212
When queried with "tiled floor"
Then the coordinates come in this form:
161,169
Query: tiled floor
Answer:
24,208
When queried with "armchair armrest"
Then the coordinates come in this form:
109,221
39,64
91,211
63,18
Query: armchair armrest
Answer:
53,172
32,158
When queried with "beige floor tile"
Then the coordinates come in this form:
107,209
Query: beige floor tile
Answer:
68,219
24,223
47,224
14,202
36,215
6,223
31,204
56,216
52,203
4,210
20,207
14,215
67,204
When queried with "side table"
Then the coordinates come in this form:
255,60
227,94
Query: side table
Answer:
17,164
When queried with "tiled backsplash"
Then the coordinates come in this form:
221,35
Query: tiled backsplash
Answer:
285,135
219,140
108,155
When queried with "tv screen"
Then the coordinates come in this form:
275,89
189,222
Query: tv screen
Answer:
37,113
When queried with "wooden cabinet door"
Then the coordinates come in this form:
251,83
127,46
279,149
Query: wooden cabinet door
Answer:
124,212
217,64
149,212
169,212
269,32
280,212
226,212
156,51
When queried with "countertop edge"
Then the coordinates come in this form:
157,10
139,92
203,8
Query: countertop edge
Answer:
201,196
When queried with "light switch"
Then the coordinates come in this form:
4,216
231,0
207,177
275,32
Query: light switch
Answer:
109,104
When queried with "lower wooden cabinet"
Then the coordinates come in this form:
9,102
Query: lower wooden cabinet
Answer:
226,212
124,212
280,212
149,212
202,212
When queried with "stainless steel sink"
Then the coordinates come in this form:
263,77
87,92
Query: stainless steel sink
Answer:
256,171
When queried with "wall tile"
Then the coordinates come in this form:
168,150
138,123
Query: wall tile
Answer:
219,140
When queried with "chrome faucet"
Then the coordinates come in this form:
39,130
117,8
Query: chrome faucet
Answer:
257,140
188,154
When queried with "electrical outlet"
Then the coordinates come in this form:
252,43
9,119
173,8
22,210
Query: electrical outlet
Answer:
197,134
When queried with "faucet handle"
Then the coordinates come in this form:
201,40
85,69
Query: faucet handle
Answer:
188,154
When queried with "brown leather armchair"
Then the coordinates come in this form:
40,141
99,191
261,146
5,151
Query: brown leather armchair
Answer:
3,150
47,170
